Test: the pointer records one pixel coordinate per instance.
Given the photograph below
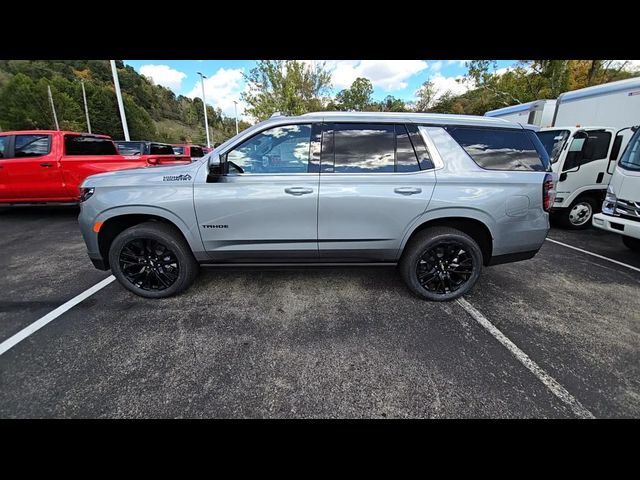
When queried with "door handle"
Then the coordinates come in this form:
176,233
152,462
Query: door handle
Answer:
298,190
407,190
45,165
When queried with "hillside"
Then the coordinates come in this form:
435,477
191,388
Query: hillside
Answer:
153,112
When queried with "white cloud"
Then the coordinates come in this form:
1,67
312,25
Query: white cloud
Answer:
437,66
387,74
460,63
164,75
221,89
630,65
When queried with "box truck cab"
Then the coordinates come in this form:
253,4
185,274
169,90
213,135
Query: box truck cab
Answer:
621,207
580,157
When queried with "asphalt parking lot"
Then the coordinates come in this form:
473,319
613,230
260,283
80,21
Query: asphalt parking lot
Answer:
324,342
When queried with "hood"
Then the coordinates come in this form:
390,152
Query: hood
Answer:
161,174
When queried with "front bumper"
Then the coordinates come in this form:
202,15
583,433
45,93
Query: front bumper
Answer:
623,226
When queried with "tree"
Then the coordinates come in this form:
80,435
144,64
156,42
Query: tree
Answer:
287,86
391,104
426,96
357,97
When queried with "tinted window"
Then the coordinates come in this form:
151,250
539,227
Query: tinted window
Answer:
77,145
364,148
499,148
553,141
406,160
130,148
31,145
615,150
4,141
597,146
419,147
631,157
178,150
196,152
282,149
160,149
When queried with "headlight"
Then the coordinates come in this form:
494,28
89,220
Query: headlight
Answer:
609,204
86,193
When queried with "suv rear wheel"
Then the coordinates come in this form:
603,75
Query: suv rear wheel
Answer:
152,260
441,264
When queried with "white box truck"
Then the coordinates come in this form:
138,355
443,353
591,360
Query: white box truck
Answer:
539,112
621,207
591,126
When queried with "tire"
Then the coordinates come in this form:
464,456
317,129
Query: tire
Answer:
631,243
427,245
133,250
579,214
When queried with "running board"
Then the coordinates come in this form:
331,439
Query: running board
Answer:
294,264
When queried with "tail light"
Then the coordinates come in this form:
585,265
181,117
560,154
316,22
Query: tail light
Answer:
548,192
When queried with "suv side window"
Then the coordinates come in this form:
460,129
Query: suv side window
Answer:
406,159
31,146
283,149
499,148
364,148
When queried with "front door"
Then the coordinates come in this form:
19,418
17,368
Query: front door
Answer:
33,170
4,178
375,180
265,208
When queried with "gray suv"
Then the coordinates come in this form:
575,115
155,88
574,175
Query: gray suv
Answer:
438,195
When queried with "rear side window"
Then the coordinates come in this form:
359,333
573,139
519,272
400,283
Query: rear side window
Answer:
364,148
82,145
4,142
160,149
31,146
500,148
196,152
130,148
178,150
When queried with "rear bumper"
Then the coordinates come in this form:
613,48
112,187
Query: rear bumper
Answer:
512,257
622,226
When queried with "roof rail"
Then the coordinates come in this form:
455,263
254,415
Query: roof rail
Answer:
277,114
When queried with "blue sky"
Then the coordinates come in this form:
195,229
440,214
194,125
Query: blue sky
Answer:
400,78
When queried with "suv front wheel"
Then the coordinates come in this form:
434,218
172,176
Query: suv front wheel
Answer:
441,264
152,260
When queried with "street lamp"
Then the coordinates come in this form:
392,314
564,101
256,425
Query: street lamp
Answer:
235,109
123,116
204,105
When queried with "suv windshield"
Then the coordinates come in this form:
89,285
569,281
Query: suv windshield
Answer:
631,156
553,141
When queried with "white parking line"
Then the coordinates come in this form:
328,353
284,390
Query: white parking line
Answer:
49,317
594,254
549,382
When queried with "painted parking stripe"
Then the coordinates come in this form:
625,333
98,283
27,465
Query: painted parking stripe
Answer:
594,255
548,381
49,317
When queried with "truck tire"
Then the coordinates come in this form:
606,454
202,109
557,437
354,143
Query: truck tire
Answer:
441,264
579,214
631,243
152,260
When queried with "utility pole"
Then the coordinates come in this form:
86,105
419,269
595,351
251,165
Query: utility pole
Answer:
123,117
235,109
204,105
86,108
53,107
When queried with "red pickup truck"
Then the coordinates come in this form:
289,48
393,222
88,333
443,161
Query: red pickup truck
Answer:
153,153
193,151
48,166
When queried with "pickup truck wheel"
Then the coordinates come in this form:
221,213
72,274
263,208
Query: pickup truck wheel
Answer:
578,215
441,264
152,260
631,243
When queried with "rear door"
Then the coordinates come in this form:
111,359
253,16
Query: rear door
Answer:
33,169
375,180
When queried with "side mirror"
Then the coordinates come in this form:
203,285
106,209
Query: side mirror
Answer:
217,167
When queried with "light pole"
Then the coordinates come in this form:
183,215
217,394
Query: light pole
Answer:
86,109
53,107
123,117
235,109
204,105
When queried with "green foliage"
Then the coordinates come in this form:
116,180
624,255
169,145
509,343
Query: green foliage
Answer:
357,97
287,86
153,112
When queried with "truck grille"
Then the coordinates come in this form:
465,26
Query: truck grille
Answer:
630,210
